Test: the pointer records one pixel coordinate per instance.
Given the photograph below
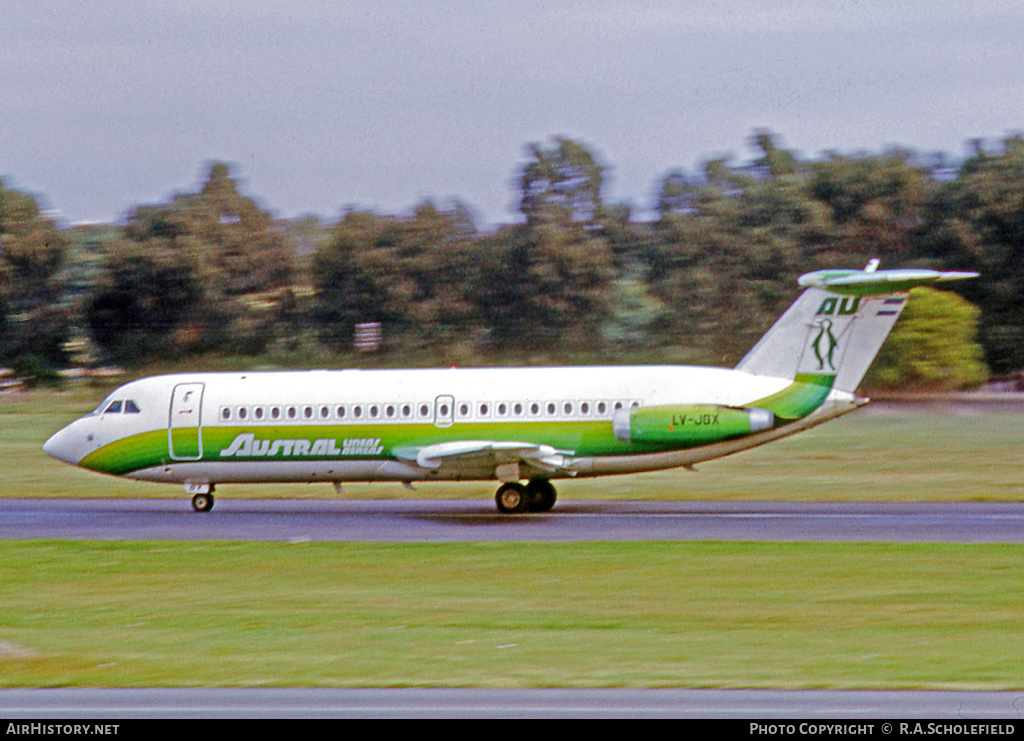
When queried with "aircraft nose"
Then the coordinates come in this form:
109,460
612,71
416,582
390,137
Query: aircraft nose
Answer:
64,446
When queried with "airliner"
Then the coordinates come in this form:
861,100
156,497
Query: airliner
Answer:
522,427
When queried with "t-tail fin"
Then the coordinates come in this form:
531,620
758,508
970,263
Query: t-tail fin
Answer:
832,333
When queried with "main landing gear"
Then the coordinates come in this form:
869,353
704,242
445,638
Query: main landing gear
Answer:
514,498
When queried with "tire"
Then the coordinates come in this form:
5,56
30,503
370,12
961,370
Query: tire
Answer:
202,502
513,499
542,495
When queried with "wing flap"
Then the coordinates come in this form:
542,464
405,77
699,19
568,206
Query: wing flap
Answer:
489,453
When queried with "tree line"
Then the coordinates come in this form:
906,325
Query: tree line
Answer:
575,279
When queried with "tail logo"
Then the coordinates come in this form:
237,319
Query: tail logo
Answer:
845,306
825,345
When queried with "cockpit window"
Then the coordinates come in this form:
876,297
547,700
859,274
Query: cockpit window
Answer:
119,406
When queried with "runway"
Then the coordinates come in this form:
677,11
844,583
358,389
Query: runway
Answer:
764,705
425,520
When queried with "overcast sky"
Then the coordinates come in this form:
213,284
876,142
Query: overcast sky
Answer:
106,104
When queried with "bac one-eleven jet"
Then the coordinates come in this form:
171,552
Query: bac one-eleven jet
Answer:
517,425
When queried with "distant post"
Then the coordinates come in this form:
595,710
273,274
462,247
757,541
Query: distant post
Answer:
368,337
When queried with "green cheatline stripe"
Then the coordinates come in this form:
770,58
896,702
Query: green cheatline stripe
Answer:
806,393
146,450
129,454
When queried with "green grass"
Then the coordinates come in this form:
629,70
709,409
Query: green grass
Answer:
511,615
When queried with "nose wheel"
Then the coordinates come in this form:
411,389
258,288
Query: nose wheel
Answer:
514,498
202,496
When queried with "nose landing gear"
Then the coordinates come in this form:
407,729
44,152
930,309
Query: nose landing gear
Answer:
202,496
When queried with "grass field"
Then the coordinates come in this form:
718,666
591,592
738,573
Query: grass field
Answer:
522,615
529,614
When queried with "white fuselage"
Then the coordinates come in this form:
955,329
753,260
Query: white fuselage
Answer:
354,425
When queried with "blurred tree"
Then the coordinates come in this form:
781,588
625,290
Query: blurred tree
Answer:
143,305
564,178
32,252
932,346
570,272
211,270
637,320
231,254
346,291
976,222
677,195
725,264
774,160
238,247
411,274
544,286
877,204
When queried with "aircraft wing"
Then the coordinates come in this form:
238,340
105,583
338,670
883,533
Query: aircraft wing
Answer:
505,457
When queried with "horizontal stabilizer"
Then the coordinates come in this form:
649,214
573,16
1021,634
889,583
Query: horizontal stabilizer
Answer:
868,281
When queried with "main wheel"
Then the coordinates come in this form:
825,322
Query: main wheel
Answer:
542,495
202,502
512,499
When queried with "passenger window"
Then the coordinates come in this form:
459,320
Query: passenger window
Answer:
113,408
130,407
243,412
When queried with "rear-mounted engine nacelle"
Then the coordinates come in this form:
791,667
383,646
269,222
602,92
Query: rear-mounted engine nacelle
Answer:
689,425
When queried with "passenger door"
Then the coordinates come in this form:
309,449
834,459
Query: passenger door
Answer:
184,430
